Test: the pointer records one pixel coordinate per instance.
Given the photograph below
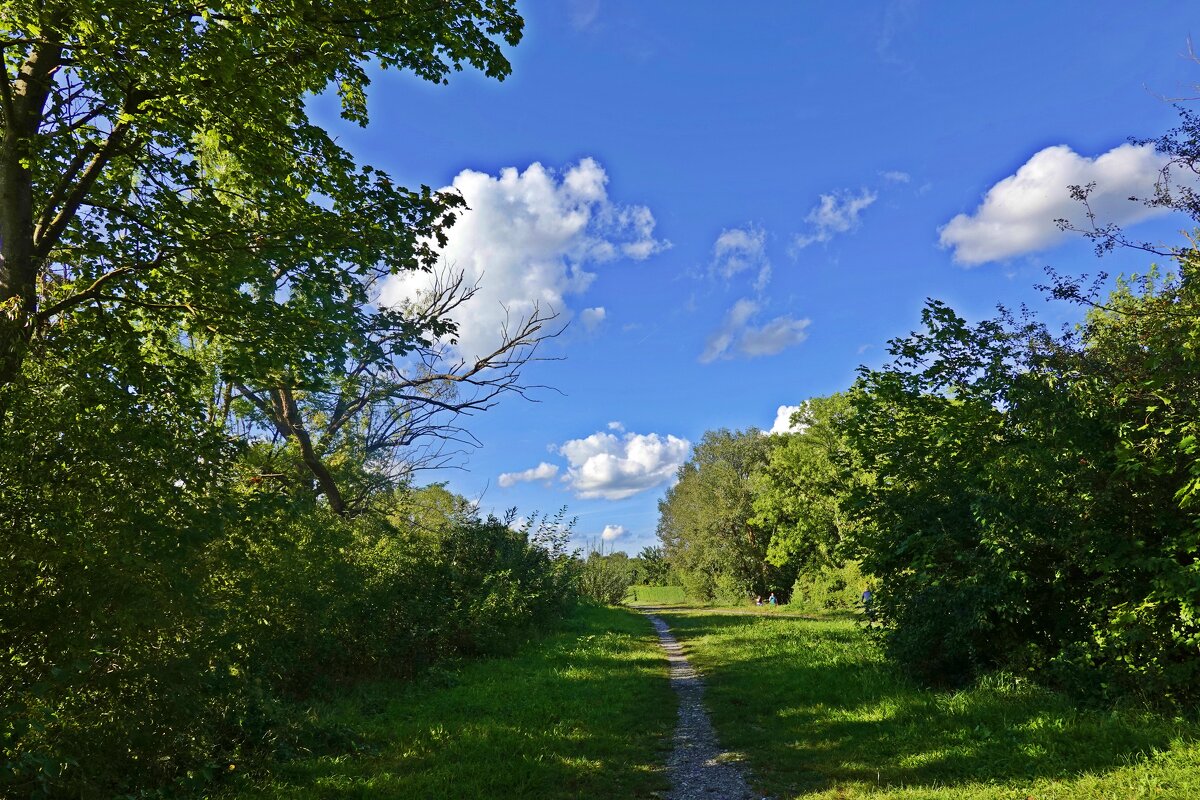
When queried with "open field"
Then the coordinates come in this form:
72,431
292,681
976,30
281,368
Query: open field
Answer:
820,714
810,704
656,596
586,712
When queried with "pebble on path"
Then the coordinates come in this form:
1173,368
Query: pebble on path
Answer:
698,768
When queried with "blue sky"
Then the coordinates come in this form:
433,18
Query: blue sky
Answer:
735,205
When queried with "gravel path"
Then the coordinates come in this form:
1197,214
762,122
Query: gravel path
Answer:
698,767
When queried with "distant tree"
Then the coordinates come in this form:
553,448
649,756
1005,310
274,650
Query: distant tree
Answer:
655,569
705,520
799,491
605,577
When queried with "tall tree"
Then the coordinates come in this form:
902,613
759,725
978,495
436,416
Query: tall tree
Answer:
160,158
705,519
798,493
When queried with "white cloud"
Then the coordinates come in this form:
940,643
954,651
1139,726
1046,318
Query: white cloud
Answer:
836,213
616,426
737,336
592,317
1018,214
896,176
528,239
783,420
584,13
740,249
778,334
612,532
542,472
605,466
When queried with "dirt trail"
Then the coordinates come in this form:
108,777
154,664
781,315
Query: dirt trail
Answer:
699,769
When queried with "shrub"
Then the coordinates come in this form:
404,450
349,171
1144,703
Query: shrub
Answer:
837,588
604,579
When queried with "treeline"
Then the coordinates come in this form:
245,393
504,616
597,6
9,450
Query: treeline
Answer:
210,430
606,577
1015,498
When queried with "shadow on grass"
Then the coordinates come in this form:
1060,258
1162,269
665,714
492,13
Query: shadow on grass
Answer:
816,707
584,713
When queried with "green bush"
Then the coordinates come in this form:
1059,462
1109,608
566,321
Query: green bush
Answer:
836,588
730,591
604,579
113,674
162,605
1033,507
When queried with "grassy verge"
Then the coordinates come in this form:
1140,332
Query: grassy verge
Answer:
656,596
820,714
587,712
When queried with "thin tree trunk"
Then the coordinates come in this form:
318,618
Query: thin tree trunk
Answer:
285,403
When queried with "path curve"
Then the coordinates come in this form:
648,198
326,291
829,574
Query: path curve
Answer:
698,768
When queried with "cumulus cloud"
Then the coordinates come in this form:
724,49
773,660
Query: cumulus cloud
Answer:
616,426
613,532
609,467
1018,214
528,239
542,472
740,249
592,317
783,420
738,336
836,213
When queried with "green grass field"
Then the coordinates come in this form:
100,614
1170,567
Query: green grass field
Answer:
819,714
586,712
810,704
655,596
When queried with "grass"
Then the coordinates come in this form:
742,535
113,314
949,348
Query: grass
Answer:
656,596
586,712
819,713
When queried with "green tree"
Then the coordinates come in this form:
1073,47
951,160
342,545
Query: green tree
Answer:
1030,508
655,569
705,520
799,491
160,158
173,226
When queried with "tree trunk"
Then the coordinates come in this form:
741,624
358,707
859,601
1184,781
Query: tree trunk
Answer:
285,403
24,100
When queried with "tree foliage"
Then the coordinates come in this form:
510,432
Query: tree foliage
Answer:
1032,506
161,158
706,519
207,424
798,492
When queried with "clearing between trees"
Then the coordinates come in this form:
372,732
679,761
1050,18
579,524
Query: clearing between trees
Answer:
809,706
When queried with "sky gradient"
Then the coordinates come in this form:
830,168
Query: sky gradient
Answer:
734,206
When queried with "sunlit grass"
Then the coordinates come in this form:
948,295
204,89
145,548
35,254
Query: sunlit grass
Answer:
821,714
640,595
587,712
